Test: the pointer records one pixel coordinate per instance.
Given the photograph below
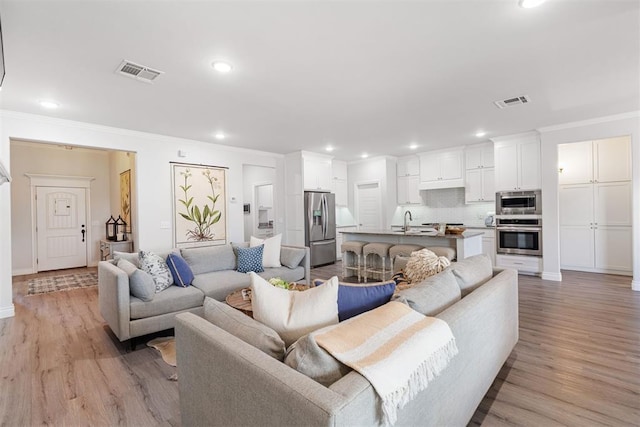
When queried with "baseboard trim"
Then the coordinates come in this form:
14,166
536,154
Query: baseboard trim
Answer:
556,277
8,311
635,285
22,271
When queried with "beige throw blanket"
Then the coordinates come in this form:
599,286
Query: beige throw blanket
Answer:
394,347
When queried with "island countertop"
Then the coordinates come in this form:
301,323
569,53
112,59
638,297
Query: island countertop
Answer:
417,233
466,244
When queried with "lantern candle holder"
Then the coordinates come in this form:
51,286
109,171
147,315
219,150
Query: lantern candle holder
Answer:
121,229
110,229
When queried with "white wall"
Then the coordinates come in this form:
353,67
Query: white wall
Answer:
153,183
628,124
54,160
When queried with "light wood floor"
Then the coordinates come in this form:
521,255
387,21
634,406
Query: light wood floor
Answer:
577,362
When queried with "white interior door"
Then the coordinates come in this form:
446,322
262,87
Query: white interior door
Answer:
368,206
61,227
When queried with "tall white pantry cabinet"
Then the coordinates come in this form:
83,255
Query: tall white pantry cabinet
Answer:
596,205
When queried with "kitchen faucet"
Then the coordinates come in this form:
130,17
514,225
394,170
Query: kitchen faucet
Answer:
406,226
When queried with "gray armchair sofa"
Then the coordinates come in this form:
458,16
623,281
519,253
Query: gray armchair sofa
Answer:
226,381
214,268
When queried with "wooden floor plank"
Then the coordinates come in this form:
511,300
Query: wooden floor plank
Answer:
577,361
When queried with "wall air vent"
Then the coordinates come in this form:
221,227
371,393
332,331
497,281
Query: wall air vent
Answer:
137,71
510,102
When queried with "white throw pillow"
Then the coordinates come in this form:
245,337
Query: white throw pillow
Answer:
293,314
271,252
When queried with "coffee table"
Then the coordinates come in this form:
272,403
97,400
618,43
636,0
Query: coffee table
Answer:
241,299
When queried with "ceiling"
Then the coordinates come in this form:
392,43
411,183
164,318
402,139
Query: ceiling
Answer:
362,76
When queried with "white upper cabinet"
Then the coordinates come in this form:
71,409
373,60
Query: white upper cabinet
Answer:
408,166
480,176
317,172
604,160
441,169
479,156
408,180
479,185
612,159
517,164
339,182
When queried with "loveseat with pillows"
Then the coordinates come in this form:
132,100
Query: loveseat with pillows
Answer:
137,301
235,370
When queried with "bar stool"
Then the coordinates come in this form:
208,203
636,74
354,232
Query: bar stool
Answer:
402,250
354,248
380,250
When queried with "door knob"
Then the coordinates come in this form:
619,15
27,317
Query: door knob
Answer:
83,231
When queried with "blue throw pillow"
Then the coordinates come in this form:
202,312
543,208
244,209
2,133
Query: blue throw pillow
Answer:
354,298
180,270
250,259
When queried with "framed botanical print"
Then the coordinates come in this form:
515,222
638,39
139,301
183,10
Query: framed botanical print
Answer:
199,205
125,198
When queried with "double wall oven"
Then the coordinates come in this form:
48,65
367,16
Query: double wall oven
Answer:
519,223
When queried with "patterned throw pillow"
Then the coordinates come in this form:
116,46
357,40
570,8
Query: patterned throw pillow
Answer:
250,259
157,268
180,270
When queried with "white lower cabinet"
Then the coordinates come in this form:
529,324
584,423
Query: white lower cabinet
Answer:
595,227
524,264
488,242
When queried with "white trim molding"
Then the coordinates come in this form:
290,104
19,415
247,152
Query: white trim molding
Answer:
555,277
39,180
8,311
594,121
635,285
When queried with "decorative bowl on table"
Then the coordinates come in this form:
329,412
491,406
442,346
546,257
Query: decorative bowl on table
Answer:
455,229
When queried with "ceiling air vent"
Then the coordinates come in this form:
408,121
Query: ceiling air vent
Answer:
510,102
138,72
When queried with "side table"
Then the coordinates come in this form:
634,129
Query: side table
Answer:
107,247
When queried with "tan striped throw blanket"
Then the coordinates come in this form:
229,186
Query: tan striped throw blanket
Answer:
394,347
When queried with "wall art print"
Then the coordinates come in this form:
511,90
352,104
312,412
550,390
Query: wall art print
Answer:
199,205
125,198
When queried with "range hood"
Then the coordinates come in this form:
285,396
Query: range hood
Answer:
441,183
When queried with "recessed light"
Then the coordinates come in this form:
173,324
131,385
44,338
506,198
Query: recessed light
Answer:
413,146
328,148
528,4
480,134
219,135
364,155
49,104
221,67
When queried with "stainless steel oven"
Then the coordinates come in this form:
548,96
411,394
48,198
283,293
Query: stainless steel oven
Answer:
519,235
519,202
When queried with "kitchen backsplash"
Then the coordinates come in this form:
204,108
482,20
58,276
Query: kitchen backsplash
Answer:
445,205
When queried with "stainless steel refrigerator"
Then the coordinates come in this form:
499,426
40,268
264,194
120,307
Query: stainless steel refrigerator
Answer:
320,227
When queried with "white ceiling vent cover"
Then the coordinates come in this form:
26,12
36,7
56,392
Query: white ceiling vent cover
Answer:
510,102
137,71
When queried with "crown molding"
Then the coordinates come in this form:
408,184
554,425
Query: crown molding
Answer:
594,121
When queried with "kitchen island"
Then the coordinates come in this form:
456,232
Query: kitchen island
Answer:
466,244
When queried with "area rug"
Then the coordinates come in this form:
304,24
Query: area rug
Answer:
65,282
167,348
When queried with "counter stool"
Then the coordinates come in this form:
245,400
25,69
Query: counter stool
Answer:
354,248
381,251
402,250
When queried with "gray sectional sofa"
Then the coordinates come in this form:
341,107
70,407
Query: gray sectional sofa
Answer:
214,268
226,381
